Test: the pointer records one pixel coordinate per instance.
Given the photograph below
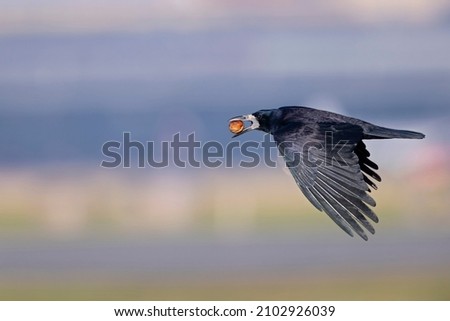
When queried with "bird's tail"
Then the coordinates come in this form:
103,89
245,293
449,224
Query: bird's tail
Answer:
377,132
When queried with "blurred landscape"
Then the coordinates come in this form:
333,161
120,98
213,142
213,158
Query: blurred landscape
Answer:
74,75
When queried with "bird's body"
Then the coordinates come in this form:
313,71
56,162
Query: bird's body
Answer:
284,117
325,153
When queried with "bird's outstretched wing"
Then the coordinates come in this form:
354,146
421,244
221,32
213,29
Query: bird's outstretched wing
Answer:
330,165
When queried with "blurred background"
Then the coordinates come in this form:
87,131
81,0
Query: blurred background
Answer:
75,74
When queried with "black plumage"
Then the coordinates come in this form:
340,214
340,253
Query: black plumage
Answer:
328,159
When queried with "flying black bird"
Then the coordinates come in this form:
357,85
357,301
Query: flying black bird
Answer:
325,153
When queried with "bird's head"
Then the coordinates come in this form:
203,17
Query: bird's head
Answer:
261,120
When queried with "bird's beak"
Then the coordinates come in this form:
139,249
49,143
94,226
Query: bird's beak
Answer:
240,128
